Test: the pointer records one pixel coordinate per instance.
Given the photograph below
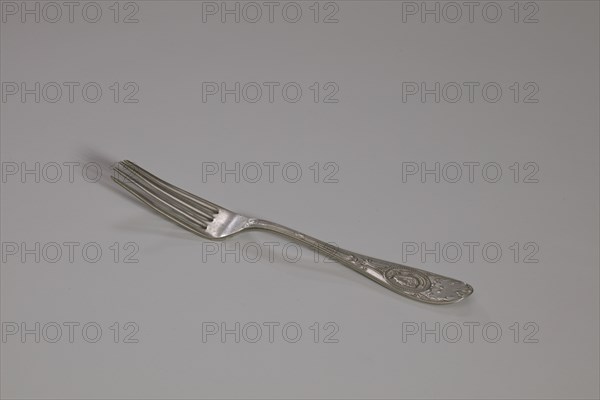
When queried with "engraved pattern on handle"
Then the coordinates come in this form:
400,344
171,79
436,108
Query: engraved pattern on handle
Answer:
407,281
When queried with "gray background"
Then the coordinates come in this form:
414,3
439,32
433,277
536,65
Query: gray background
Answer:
369,133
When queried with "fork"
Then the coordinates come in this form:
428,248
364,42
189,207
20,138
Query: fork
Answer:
214,222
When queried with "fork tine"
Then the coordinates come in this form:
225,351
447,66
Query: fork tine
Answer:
173,190
164,207
149,203
201,212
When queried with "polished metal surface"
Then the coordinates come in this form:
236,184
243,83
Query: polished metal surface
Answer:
211,221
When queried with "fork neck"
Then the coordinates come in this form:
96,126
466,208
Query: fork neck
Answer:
325,248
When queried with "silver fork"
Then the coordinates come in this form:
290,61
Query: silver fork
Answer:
211,221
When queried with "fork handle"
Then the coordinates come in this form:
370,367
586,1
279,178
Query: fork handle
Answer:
413,283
